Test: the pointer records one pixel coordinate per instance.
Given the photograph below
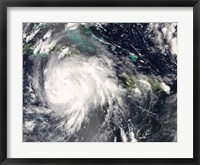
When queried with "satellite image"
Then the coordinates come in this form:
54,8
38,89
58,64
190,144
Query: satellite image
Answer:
99,82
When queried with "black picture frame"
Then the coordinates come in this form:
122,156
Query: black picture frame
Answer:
98,3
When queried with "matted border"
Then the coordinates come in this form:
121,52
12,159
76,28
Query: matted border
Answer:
183,16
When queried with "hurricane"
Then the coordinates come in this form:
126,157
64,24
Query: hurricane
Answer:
77,85
99,82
